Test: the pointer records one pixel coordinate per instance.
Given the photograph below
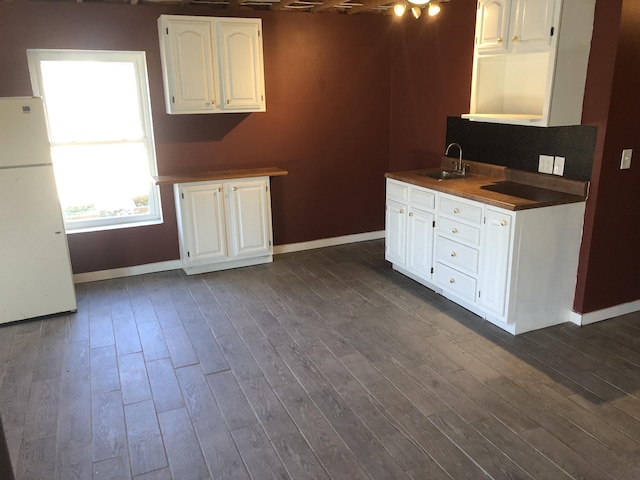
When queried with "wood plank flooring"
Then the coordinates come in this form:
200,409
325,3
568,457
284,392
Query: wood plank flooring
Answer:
325,364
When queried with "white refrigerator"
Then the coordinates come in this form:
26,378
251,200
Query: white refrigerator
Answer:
35,271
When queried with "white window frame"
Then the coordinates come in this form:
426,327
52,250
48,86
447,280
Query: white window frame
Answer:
35,56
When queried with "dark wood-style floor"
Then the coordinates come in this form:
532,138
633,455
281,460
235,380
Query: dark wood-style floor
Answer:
325,364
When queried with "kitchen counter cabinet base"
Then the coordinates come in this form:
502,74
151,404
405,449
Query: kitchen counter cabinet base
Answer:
524,275
224,224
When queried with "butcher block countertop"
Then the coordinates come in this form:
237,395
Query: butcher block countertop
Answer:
219,175
500,186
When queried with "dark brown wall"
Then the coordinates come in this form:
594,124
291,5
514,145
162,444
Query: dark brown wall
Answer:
327,120
610,260
432,60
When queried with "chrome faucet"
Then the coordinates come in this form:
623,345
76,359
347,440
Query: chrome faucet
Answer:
460,167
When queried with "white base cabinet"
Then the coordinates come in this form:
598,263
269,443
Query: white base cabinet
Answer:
224,224
211,64
410,226
516,269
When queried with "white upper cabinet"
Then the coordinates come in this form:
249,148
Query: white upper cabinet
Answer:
211,64
530,61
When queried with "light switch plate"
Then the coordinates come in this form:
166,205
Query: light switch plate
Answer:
545,164
625,162
558,166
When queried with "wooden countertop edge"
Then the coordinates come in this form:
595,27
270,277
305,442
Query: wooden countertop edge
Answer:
564,190
219,175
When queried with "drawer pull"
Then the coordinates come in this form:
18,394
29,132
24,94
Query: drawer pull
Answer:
503,223
454,230
401,210
452,280
411,214
456,210
515,38
454,254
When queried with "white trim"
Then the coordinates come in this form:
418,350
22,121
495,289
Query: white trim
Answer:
328,242
177,264
126,271
605,313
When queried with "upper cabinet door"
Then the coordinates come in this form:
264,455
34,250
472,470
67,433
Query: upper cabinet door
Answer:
532,24
492,27
190,65
240,52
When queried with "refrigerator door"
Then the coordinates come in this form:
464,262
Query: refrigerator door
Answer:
24,138
35,274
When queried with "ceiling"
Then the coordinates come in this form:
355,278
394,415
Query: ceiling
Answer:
384,7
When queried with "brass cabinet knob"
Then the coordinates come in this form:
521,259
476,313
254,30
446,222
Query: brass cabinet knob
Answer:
456,210
500,40
411,214
515,38
503,223
453,254
452,280
212,102
401,210
235,188
454,230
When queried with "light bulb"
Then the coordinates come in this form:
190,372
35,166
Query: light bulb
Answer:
399,9
434,9
416,12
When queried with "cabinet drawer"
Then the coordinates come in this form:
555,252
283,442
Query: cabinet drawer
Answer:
457,255
461,210
397,191
422,198
458,230
459,284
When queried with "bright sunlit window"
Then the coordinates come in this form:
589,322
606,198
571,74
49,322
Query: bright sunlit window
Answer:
101,137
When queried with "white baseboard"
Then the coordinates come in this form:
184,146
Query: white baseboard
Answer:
328,242
177,264
605,314
126,271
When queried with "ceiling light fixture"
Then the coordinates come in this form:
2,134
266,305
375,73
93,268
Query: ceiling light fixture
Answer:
432,6
399,9
434,9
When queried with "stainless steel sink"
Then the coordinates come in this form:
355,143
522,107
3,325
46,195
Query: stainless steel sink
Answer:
443,175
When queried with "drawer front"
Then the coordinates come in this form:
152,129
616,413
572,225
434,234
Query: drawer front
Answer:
422,198
459,284
457,255
460,210
397,191
458,230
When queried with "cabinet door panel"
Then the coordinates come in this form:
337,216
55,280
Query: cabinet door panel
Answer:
204,223
395,232
191,73
240,51
532,24
420,243
492,27
495,262
250,211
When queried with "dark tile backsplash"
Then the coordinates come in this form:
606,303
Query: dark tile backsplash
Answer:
519,147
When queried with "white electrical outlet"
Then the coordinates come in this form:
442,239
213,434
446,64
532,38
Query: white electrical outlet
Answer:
545,164
625,162
558,166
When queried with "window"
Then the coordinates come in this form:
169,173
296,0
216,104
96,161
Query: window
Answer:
101,137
